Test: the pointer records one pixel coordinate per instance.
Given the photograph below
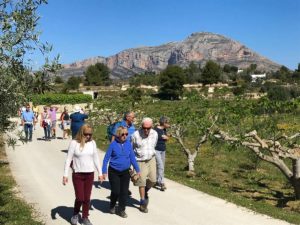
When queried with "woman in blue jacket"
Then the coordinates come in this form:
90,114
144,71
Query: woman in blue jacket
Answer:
120,156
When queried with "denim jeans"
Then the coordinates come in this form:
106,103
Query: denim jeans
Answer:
28,130
160,166
47,130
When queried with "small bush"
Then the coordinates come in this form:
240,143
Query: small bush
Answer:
60,99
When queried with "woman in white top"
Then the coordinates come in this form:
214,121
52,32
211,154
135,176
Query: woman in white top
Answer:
83,155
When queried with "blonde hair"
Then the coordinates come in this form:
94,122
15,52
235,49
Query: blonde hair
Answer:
120,130
80,138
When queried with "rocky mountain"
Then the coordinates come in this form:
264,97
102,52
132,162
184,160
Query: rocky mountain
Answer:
198,48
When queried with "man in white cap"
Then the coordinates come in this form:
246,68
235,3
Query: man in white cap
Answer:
144,141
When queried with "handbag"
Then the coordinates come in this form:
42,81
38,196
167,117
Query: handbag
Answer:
44,123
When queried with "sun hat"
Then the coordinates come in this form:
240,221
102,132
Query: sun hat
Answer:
76,108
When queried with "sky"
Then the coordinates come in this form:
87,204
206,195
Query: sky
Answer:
80,29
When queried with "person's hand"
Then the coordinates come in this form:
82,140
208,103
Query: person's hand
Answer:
101,179
65,180
104,176
165,137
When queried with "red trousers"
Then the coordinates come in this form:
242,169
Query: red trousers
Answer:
83,183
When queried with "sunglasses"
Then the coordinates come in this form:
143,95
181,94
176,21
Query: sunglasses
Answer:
146,128
124,134
87,134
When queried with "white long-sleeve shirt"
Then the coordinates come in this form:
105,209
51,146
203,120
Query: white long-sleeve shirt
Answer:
144,147
84,160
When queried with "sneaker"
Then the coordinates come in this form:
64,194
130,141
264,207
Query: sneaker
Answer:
123,214
74,220
112,210
86,221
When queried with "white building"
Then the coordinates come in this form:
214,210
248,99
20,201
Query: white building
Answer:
256,77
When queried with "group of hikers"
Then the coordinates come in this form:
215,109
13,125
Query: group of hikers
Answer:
143,149
48,121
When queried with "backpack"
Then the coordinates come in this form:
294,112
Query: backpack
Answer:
110,129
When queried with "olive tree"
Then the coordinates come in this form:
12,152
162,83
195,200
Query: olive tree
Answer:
191,129
259,131
18,37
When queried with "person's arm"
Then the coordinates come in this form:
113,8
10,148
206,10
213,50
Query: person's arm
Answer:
133,159
22,119
68,161
96,159
106,159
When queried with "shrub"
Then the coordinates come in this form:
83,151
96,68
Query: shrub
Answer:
60,99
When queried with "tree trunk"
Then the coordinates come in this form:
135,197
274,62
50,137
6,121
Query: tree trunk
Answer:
191,160
296,177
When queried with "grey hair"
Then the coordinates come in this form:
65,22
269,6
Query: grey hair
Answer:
147,119
163,120
127,114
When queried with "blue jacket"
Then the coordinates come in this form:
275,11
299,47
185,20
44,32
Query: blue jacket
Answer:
120,157
77,120
130,128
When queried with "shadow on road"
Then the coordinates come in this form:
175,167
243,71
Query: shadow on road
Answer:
100,205
63,211
104,184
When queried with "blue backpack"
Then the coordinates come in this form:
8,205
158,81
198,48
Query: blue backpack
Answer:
110,129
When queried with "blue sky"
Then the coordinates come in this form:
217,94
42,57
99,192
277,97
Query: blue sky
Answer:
79,29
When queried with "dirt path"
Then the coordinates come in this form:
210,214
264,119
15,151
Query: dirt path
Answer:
38,169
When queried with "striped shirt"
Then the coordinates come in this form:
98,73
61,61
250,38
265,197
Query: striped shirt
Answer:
144,147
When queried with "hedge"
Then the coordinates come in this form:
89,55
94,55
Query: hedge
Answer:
48,99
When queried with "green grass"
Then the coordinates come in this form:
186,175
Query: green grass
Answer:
13,210
238,177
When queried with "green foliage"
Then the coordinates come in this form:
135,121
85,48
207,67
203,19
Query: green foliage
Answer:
97,74
73,83
230,69
134,95
48,99
147,78
19,37
279,93
192,73
211,73
58,80
171,80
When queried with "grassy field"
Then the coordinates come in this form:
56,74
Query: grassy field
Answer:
233,174
13,210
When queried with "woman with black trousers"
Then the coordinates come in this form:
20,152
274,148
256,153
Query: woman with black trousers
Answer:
120,156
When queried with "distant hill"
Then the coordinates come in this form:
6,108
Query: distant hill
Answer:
198,48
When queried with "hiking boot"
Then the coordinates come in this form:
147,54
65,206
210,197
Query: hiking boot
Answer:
74,220
86,221
163,187
123,214
143,208
112,210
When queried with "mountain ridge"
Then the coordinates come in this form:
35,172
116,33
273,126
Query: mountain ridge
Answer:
199,47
